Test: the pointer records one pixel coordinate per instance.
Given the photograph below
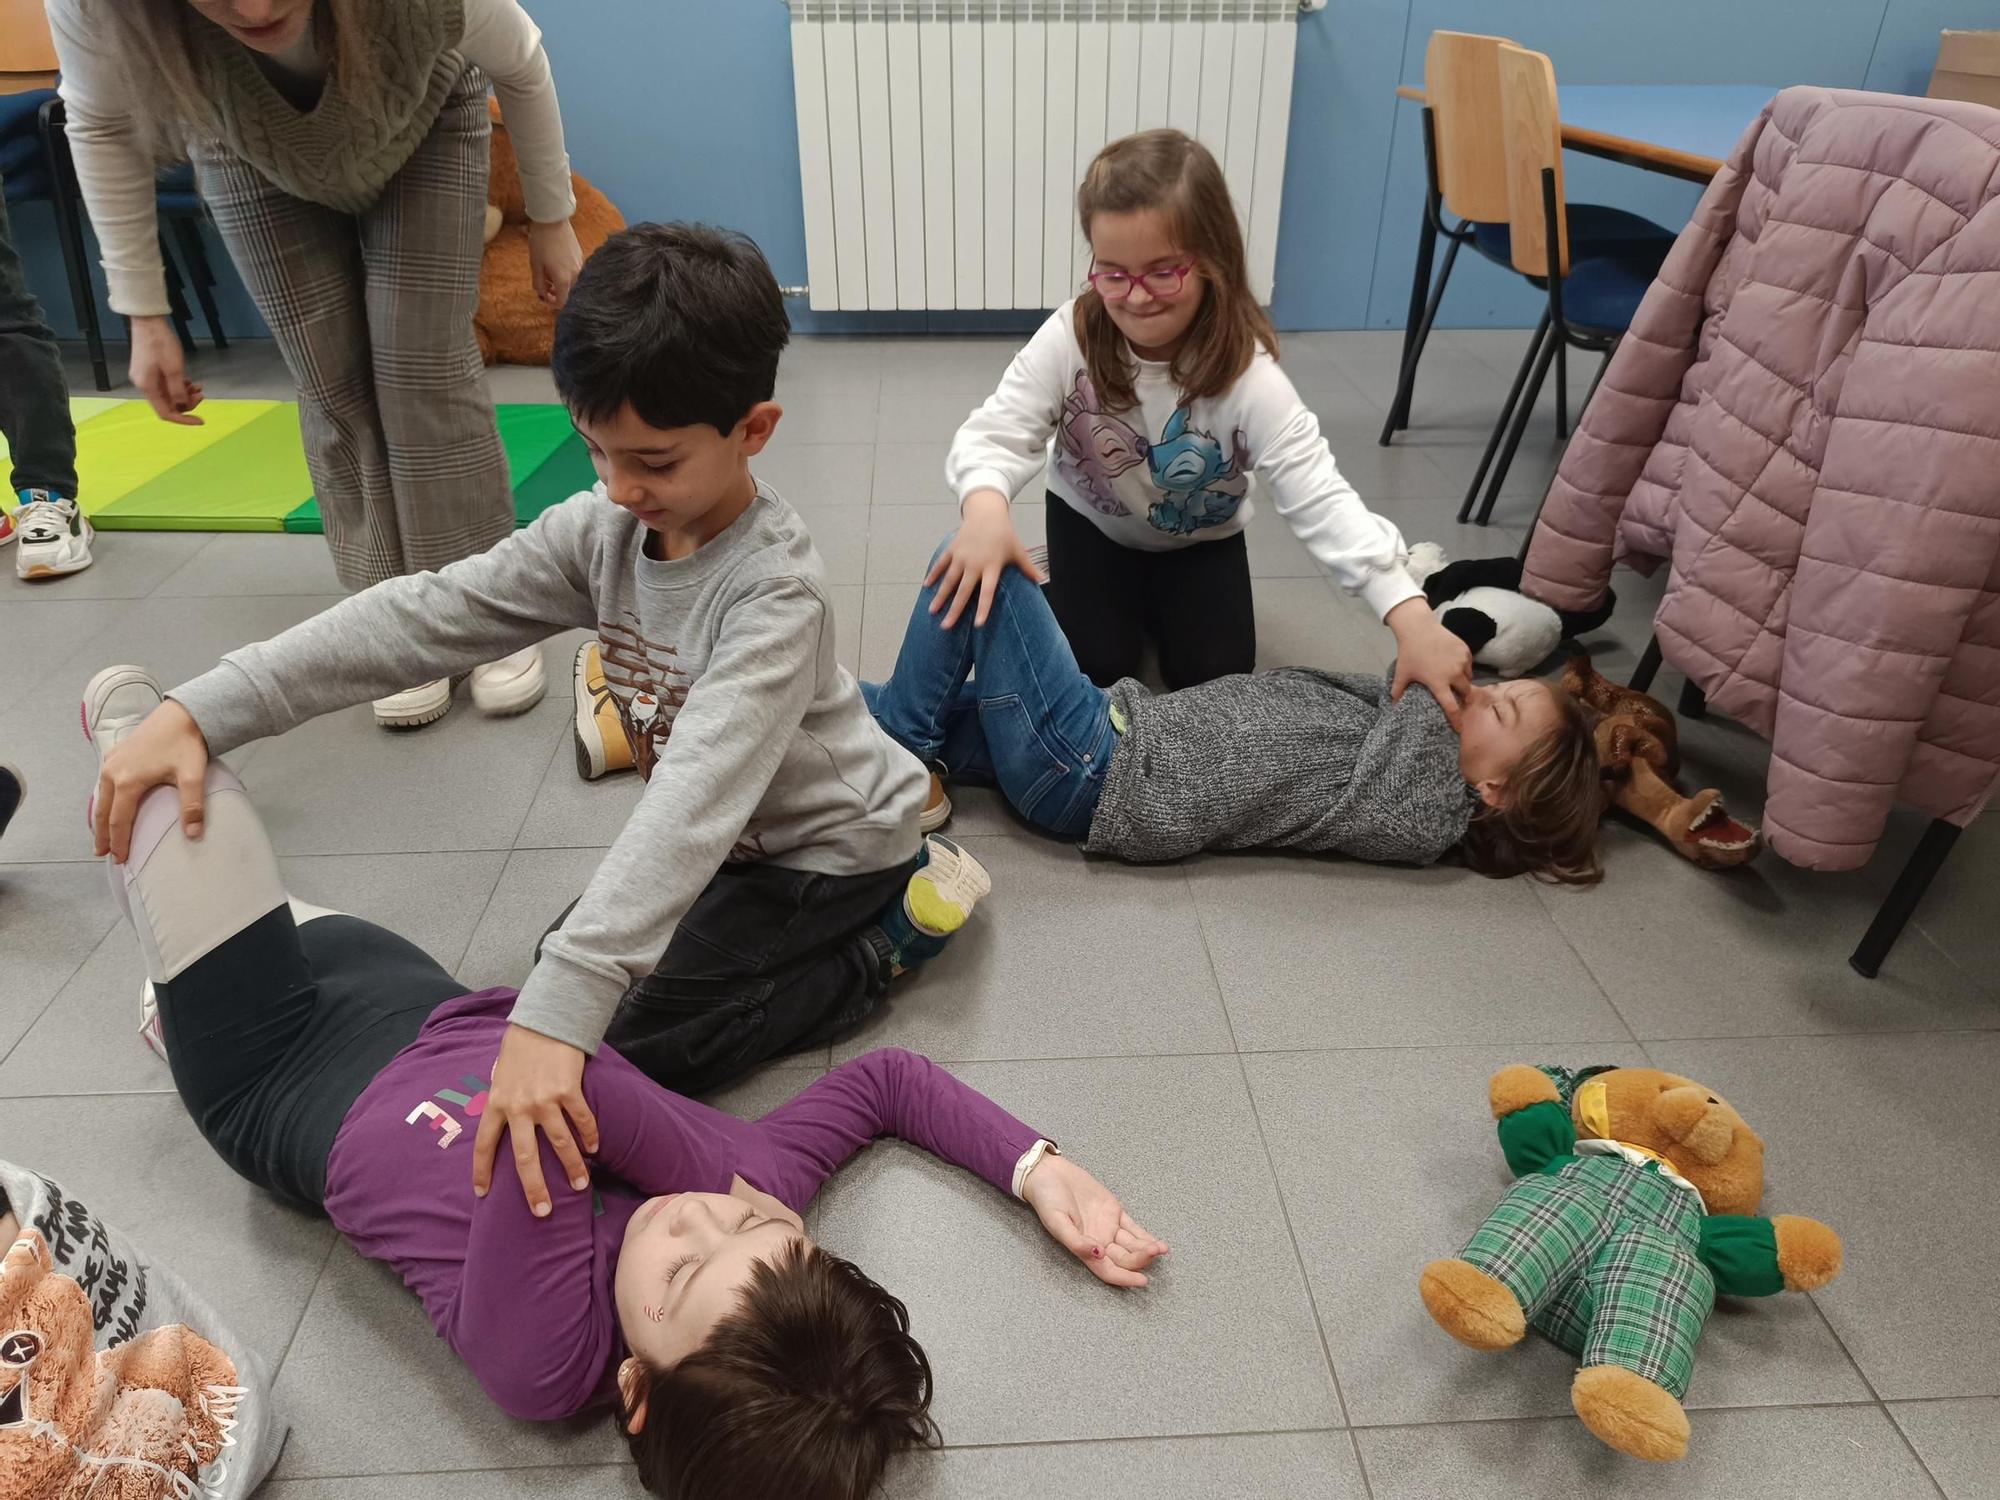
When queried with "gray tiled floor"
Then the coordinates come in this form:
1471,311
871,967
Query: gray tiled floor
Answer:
1279,1062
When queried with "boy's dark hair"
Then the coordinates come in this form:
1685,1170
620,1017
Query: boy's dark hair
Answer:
804,1391
1547,827
684,321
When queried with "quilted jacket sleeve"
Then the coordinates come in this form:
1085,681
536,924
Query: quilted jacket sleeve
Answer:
1619,437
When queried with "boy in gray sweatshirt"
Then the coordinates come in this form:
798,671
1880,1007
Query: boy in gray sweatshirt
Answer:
773,877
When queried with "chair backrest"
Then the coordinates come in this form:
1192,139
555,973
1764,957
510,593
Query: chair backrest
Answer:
1462,89
1968,67
25,43
1532,133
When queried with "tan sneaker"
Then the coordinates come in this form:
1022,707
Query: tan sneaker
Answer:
602,746
415,707
937,807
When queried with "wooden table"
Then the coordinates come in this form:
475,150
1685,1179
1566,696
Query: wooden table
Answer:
1679,130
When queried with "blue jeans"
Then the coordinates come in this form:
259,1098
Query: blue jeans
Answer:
1028,719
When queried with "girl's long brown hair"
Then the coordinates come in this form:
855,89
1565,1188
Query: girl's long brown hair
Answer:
1547,825
1175,174
166,102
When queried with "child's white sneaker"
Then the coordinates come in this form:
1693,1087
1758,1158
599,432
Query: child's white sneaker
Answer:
415,707
512,685
54,536
114,701
149,1020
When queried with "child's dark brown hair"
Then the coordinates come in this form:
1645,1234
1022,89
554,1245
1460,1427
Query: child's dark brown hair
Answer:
1553,799
805,1391
1174,173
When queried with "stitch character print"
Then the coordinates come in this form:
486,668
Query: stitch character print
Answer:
1187,483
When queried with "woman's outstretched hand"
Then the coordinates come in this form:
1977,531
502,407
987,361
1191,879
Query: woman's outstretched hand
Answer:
537,1086
1083,1216
973,560
159,371
554,258
1429,654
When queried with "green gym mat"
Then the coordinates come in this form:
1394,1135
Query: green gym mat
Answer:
244,468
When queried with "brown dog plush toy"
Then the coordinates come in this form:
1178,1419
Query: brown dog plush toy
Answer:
1636,1204
512,325
1639,750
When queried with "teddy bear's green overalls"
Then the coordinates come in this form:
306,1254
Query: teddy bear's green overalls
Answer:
1611,1254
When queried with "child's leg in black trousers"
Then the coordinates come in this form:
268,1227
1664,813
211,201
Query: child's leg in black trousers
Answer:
1096,589
1198,610
767,961
272,1028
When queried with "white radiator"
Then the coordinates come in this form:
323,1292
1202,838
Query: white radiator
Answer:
941,141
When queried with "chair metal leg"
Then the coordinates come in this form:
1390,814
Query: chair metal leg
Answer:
1522,411
69,234
1896,909
1595,381
1506,414
1694,702
1400,414
1562,388
1649,664
1420,284
187,233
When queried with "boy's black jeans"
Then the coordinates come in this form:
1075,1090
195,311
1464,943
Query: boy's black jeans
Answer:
34,400
767,961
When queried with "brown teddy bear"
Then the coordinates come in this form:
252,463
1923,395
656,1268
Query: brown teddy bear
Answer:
147,1420
513,326
1639,751
1636,1204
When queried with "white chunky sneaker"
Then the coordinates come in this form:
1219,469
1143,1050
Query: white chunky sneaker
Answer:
114,701
414,707
54,536
512,685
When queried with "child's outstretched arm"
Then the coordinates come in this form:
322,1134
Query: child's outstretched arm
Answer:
1364,551
379,641
896,1093
997,450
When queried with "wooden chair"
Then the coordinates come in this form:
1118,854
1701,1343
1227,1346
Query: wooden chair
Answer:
1465,174
1594,287
27,51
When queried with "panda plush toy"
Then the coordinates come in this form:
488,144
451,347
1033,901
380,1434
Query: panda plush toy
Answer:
1479,600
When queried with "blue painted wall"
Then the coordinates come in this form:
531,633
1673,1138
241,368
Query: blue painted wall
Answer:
684,110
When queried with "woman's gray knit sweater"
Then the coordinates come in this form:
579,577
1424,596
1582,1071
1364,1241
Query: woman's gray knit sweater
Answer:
1310,760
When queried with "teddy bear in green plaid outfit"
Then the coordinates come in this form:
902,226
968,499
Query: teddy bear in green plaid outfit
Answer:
1636,1205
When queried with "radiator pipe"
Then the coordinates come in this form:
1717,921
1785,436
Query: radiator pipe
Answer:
794,291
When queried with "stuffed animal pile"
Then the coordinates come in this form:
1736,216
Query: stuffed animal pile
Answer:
1636,1204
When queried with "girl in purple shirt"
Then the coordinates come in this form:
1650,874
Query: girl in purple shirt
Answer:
337,1065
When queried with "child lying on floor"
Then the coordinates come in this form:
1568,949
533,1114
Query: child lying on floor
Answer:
1290,758
335,1064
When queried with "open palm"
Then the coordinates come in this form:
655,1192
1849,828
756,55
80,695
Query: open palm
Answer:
1085,1217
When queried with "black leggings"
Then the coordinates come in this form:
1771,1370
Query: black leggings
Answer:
273,1035
1193,603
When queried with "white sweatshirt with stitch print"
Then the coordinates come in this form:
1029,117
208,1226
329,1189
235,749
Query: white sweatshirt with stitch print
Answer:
1172,474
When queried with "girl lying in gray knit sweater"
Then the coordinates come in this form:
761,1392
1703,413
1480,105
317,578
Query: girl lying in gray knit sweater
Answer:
1290,758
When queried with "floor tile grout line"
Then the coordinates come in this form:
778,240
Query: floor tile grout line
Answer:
1874,1393
1277,1182
1603,989
333,1240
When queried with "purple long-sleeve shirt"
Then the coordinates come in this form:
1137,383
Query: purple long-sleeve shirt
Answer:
527,1302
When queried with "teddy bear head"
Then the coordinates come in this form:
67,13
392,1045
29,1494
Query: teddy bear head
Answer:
1691,1126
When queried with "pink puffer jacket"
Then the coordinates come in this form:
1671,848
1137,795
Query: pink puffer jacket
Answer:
1805,419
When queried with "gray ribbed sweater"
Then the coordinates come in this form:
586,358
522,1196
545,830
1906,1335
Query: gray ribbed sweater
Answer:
1291,758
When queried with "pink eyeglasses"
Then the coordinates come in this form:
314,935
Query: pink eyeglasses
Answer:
1164,281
